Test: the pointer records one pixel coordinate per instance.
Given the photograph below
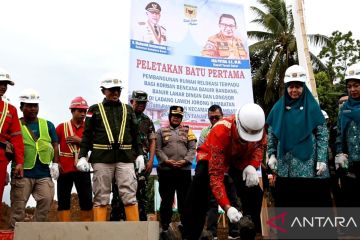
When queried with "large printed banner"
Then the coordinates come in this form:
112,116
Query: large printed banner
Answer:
189,53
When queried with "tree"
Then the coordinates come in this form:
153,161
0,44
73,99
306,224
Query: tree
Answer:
274,51
341,52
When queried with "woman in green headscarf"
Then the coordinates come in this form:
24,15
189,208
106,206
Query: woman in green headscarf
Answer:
347,159
297,146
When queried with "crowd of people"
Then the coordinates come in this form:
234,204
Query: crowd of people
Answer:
122,141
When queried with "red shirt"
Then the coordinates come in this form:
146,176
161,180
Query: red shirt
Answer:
11,131
223,148
68,163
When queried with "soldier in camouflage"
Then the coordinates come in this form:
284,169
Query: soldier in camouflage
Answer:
148,141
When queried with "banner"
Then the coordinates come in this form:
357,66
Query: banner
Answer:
192,54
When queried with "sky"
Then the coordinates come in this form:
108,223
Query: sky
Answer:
62,48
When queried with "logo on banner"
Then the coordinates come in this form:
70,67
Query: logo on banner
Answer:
190,13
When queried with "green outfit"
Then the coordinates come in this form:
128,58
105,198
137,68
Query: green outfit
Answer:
95,133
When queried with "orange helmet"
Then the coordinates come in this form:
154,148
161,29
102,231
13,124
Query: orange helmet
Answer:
79,102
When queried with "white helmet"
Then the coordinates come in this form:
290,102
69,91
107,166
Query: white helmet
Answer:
250,121
295,73
326,116
5,76
111,80
353,72
29,96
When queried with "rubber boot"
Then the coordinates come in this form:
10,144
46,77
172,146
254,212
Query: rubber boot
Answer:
100,213
86,216
132,212
64,216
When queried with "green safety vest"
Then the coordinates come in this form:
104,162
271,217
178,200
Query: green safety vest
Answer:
42,146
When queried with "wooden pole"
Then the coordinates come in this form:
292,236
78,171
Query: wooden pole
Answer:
302,45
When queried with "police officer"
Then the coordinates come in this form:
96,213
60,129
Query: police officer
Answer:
225,44
138,101
151,31
111,133
175,150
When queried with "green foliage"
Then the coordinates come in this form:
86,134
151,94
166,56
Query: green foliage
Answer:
341,52
328,94
274,51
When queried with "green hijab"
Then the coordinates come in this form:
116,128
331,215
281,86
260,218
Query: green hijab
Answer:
293,121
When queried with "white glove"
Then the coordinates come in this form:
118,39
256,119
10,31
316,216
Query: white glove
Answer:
251,176
341,160
321,168
140,163
54,171
272,163
82,165
234,215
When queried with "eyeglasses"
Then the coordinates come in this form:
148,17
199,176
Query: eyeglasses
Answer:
224,25
216,117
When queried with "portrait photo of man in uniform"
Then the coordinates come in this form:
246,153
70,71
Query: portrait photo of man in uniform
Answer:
150,30
225,44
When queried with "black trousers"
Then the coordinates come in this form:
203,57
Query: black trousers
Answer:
82,181
197,201
350,185
302,192
213,213
169,182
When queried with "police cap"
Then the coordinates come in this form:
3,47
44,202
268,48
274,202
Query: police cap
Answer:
139,96
176,110
153,7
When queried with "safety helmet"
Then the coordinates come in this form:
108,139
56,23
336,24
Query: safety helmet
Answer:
326,116
353,72
139,96
29,96
78,103
111,80
5,76
250,121
295,73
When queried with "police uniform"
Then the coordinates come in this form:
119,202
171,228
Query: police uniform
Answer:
146,133
149,32
222,47
175,143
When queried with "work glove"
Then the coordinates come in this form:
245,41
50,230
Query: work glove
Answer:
272,162
250,176
82,165
54,171
341,160
321,168
234,215
140,163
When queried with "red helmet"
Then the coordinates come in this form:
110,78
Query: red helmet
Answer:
79,102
